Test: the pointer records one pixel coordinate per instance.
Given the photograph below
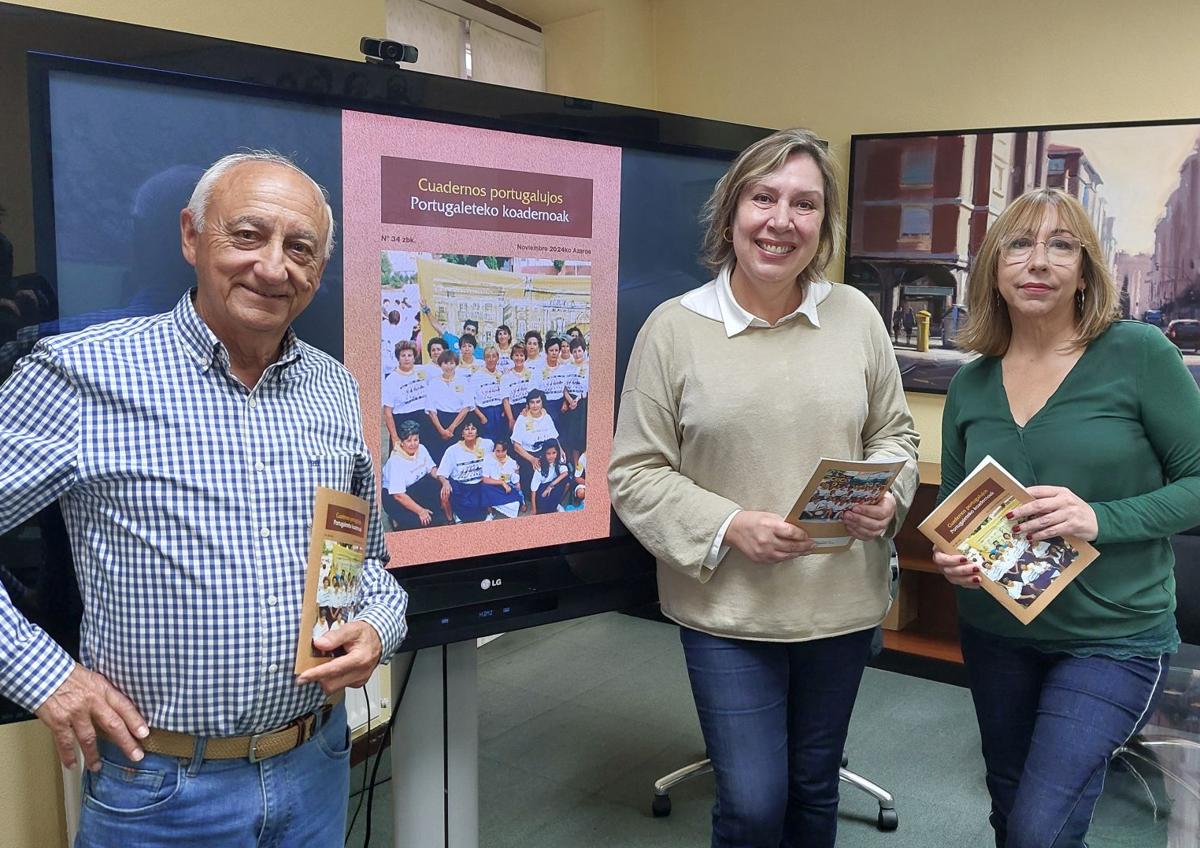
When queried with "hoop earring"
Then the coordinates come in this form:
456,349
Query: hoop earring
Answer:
727,234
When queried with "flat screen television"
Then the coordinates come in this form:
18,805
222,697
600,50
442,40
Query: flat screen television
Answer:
514,209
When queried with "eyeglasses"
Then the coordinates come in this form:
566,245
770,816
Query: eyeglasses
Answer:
1061,250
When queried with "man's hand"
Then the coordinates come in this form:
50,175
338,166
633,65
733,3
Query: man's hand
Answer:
870,521
766,538
363,650
85,705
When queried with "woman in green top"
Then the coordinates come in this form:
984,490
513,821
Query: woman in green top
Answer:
1098,418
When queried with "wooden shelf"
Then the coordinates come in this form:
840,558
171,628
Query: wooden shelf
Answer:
933,633
908,562
912,641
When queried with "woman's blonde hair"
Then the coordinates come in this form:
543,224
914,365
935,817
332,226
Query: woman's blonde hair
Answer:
989,328
755,162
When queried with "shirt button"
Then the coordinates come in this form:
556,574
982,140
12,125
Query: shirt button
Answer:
273,667
265,532
272,600
259,466
260,728
253,402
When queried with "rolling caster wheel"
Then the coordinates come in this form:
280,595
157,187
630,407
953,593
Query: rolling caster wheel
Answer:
888,820
661,806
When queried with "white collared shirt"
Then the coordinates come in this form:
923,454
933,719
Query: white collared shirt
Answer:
715,300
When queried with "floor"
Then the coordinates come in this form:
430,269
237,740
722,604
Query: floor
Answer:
578,719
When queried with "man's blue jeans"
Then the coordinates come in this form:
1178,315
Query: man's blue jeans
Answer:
1049,723
774,717
288,801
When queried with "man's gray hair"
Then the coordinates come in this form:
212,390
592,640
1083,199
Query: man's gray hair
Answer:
202,194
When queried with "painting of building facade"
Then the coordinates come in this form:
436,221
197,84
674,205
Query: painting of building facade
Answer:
920,205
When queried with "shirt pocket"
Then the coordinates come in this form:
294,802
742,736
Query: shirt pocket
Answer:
332,468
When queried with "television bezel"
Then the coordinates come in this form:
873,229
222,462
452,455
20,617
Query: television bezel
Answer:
572,580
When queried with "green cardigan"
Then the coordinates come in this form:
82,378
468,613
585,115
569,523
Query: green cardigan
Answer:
1122,432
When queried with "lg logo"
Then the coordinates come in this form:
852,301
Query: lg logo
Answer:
486,584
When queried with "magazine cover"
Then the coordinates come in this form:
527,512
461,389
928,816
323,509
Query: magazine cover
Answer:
335,561
1023,576
834,487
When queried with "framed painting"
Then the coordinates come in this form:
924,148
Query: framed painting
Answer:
920,204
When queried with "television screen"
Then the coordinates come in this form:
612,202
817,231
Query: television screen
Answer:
472,220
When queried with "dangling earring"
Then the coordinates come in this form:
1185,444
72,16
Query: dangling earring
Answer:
1079,300
727,234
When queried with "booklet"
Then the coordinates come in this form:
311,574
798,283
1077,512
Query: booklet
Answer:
834,487
1023,576
335,561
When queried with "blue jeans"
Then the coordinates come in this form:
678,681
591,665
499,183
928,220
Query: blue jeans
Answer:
294,799
1049,724
774,717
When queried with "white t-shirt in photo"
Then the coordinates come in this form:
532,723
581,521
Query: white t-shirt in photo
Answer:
552,381
517,385
463,464
508,473
488,387
405,392
539,479
449,396
528,431
401,470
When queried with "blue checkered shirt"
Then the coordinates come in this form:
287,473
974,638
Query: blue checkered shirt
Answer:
188,501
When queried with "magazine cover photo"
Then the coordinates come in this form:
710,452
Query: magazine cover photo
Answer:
485,375
973,521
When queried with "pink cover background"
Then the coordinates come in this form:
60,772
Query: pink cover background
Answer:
366,138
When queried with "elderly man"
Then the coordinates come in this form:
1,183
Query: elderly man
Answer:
185,449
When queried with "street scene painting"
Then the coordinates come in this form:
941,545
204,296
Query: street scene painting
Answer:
921,203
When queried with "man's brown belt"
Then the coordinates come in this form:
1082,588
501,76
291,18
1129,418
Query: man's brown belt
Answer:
260,746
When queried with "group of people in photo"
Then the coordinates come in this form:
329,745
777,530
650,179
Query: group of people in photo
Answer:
484,430
840,490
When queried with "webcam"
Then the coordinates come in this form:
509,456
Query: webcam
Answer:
384,52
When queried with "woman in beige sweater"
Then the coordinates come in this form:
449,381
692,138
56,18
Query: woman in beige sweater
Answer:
734,391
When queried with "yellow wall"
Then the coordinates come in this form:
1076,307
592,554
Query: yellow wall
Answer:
324,28
867,66
31,788
607,54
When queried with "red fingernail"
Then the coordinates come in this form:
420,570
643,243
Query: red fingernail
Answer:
1008,515
974,579
977,570
1029,537
963,560
1016,528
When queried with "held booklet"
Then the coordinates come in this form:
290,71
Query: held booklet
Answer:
1023,576
834,487
335,561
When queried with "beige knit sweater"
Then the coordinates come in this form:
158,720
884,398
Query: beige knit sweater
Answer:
710,423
